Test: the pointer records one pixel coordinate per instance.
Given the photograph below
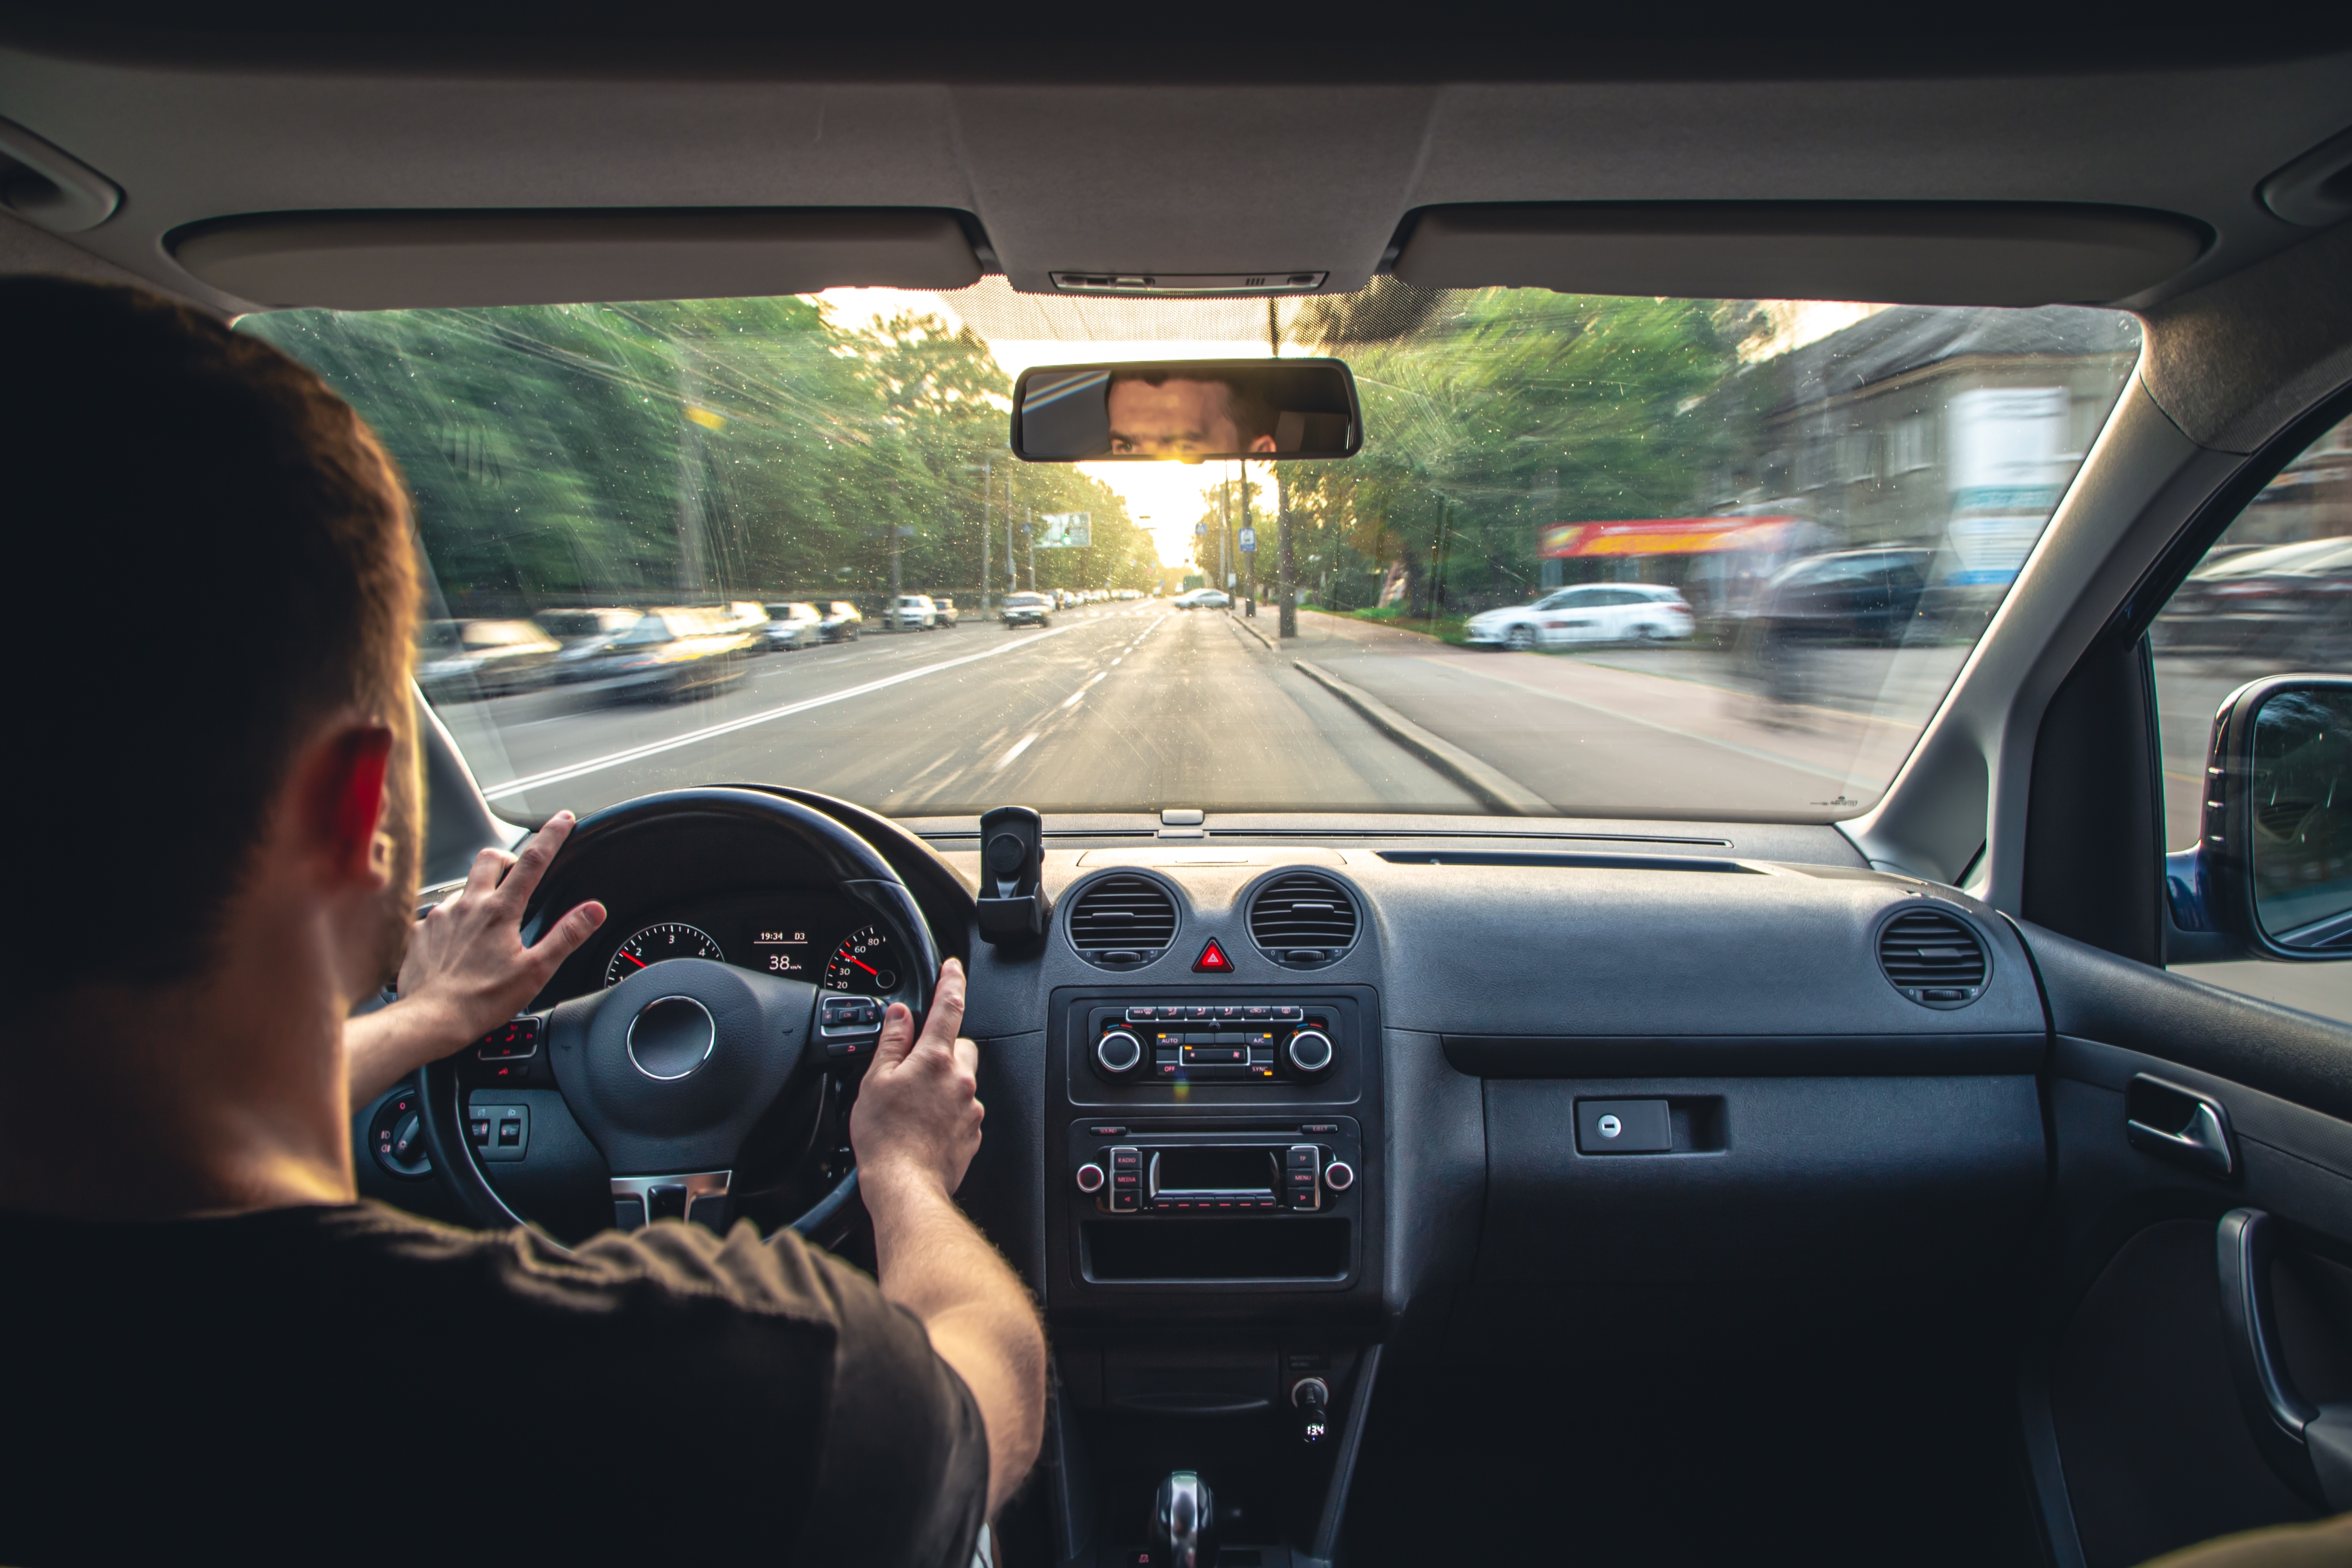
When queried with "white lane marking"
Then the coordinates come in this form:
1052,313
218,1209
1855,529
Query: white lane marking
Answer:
1019,746
1072,700
1117,660
1098,675
693,737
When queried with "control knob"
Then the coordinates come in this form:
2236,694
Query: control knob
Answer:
1117,1054
1338,1175
1309,1051
1091,1177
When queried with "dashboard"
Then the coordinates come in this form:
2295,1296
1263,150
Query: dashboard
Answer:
1260,1111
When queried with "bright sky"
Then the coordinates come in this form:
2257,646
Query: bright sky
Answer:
1167,498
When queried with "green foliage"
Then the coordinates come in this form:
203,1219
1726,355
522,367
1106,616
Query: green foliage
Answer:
1498,410
700,450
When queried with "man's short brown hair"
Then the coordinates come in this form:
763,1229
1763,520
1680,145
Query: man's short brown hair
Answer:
211,557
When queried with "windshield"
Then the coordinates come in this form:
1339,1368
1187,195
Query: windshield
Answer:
1807,514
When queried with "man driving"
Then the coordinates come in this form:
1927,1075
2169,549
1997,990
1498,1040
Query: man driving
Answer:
215,1347
1157,414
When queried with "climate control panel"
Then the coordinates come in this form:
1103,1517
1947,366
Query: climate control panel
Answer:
1237,1043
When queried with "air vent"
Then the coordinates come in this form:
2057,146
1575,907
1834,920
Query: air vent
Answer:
1933,959
1123,922
1303,921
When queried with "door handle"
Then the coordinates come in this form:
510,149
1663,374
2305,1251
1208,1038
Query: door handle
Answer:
2178,1123
2309,1446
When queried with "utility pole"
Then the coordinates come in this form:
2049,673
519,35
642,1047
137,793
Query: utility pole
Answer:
1249,558
987,525
890,616
1283,580
1029,538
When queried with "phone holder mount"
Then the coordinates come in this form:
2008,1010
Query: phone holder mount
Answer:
1013,908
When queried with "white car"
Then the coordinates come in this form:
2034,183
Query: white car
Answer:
1202,599
1591,613
912,613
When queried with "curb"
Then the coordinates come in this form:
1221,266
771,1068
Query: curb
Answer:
1495,788
1244,624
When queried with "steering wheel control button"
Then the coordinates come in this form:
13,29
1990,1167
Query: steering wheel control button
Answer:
1309,1051
499,1131
1338,1175
1090,1177
670,1037
1117,1054
849,1025
513,1040
1623,1127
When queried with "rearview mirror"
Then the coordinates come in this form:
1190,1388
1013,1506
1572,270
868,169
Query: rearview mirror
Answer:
1186,410
2272,873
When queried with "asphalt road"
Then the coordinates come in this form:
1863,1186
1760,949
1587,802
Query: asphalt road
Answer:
1115,707
1118,707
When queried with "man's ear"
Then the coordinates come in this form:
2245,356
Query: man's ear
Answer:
346,800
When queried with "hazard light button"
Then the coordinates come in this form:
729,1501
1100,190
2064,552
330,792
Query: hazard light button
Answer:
1212,961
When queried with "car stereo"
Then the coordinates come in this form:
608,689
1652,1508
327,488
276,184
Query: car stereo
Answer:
1302,1168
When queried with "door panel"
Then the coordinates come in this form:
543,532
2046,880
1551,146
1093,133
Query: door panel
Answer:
2139,1428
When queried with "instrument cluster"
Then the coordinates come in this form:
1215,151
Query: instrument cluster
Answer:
808,935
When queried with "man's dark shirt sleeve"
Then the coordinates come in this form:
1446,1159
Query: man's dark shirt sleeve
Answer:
401,1390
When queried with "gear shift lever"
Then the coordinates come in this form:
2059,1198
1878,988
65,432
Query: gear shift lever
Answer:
1183,1523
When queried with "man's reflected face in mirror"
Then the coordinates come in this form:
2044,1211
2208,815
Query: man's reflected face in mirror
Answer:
1180,418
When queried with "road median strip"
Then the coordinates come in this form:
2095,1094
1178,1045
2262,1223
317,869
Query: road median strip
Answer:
1491,786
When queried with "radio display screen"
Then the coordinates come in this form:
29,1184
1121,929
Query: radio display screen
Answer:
1215,1170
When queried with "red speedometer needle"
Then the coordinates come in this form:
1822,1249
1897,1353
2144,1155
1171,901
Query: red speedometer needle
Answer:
633,958
867,967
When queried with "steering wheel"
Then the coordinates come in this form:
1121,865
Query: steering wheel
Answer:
673,1072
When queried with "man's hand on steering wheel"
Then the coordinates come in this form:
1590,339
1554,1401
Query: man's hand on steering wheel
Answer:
467,971
917,1114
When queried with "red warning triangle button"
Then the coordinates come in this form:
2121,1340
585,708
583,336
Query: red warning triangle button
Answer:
1212,961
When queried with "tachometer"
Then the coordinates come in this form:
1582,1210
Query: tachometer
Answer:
866,961
671,938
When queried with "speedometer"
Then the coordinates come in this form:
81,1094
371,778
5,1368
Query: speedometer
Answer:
866,962
671,938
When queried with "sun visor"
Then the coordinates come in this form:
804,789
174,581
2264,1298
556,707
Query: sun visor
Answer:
395,260
1907,253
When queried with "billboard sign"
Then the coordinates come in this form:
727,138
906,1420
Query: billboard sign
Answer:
1066,530
1249,540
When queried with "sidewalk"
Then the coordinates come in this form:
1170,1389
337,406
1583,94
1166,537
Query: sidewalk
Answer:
1587,734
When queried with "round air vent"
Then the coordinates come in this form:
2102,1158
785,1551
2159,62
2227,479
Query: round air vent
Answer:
1123,922
1933,958
1303,921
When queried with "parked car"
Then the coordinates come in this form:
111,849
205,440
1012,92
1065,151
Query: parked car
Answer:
582,637
1869,597
1204,599
911,612
748,618
2260,602
675,653
458,660
947,610
794,626
842,622
1589,613
1028,610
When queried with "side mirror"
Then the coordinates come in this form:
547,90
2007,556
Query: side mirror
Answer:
2271,876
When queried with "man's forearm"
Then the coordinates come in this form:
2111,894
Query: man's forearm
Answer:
931,1260
382,1047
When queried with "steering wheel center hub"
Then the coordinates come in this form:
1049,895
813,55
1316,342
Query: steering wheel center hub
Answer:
670,1037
